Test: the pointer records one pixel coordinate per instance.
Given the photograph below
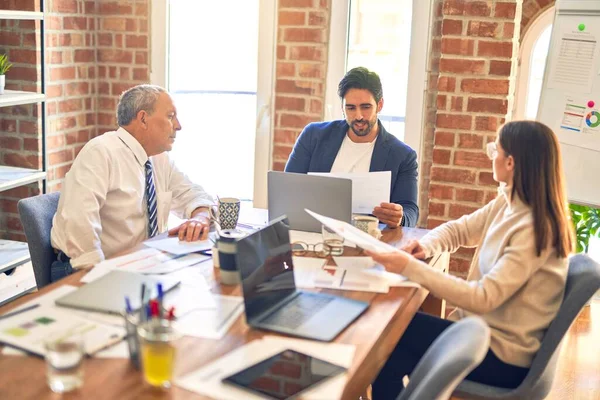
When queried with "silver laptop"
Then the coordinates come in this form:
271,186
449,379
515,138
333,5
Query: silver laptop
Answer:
107,294
290,194
271,299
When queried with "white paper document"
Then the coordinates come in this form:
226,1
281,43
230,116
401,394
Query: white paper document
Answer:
118,350
353,234
208,379
369,189
211,323
145,261
191,294
331,277
572,68
29,330
178,247
305,270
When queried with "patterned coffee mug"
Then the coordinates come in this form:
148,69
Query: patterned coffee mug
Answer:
228,212
366,223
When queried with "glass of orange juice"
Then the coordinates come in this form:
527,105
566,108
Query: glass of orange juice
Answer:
158,349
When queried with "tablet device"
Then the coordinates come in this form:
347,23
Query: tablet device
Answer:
284,375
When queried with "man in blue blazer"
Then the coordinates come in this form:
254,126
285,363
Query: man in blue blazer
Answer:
360,143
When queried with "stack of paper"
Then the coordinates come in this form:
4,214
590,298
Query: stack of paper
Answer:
145,261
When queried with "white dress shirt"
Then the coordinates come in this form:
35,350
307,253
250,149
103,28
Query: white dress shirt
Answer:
353,157
103,209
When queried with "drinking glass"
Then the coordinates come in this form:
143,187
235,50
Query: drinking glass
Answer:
64,362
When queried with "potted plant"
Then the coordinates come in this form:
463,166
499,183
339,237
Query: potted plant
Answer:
586,221
4,67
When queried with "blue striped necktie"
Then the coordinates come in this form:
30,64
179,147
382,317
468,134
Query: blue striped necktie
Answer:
151,198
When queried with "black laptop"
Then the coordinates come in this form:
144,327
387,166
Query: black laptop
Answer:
271,299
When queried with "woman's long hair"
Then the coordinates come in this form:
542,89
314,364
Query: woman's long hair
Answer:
539,182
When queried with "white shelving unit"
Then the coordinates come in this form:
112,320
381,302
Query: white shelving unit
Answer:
9,14
16,271
17,97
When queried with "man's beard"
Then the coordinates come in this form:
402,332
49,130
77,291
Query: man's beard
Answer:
364,131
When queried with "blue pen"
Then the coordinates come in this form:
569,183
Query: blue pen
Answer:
128,309
159,288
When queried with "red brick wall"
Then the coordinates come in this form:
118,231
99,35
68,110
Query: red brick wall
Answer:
531,10
479,45
426,158
19,127
301,69
95,50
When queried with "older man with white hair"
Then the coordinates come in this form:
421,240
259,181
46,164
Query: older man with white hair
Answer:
123,185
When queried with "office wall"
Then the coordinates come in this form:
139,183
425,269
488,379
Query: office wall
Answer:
301,71
94,50
479,46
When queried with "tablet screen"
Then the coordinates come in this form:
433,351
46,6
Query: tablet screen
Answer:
284,375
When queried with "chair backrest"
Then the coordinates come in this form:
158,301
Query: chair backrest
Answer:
36,217
583,281
451,357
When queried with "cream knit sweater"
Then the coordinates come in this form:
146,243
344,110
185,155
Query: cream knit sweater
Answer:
516,292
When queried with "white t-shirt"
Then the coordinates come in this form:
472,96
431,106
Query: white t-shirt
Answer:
353,157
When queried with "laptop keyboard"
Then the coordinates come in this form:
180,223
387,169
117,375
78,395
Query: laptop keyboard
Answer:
297,311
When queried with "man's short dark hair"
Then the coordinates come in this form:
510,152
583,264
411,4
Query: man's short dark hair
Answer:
361,78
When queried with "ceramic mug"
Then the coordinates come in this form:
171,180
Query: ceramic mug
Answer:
227,212
366,223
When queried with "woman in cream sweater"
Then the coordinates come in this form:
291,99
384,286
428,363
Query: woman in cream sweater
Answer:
517,277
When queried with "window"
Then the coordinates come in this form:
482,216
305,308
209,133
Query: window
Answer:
221,84
389,37
534,51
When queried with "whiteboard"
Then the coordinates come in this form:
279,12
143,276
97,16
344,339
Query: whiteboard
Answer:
570,98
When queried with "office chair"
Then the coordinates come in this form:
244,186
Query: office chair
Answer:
451,357
583,280
36,217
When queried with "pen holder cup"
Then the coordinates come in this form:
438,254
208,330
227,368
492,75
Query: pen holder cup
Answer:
133,342
157,339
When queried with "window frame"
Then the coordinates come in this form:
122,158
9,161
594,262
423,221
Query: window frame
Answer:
531,37
159,68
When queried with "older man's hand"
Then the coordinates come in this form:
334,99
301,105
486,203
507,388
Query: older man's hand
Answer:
193,229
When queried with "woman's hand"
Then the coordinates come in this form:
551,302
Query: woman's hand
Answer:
415,249
393,262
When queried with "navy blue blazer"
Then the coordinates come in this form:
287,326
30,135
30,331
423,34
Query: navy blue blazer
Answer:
318,145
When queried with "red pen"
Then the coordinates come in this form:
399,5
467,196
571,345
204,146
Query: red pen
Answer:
154,308
171,313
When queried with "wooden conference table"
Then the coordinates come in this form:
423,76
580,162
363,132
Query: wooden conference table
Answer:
374,334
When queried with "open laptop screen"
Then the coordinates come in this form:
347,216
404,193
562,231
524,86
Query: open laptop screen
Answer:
265,262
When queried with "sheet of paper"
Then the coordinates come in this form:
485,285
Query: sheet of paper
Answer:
192,293
119,350
175,246
353,234
369,189
145,261
354,263
212,323
330,277
572,67
47,300
208,379
579,123
305,269
29,330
